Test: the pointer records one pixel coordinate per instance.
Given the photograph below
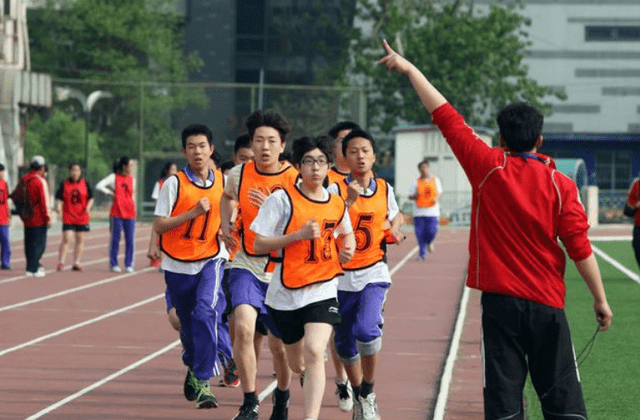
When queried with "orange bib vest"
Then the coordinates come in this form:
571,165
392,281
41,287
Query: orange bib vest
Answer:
196,239
250,178
368,216
426,192
333,175
315,260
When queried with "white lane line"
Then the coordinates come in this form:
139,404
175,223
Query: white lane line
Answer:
103,381
79,325
269,389
75,289
90,262
447,373
619,238
633,276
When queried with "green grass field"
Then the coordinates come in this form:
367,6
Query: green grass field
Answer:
610,373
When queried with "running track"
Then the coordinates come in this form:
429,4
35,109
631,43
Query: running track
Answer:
98,345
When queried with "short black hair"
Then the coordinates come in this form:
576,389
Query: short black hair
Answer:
227,165
343,125
306,144
119,164
72,164
357,133
268,118
1,167
423,162
165,169
243,141
520,126
194,129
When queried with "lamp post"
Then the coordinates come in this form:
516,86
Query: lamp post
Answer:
87,102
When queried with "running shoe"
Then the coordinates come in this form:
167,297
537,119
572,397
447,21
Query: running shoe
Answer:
129,269
344,395
5,267
190,386
431,247
59,267
231,377
248,411
204,397
76,267
357,409
116,269
280,411
369,407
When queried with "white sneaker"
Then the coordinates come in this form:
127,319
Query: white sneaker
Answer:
369,407
29,274
344,395
431,247
129,269
41,270
116,269
39,273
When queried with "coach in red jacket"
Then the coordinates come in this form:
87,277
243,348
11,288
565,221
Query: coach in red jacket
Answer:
35,227
521,206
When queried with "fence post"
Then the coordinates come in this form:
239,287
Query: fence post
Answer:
140,197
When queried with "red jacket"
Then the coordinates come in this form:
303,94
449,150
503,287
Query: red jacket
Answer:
39,194
521,206
633,199
5,215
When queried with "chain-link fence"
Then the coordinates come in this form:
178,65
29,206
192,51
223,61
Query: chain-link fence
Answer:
143,121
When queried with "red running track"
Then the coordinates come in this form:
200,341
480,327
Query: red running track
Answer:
98,345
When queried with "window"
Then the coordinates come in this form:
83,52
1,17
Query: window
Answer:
613,169
612,33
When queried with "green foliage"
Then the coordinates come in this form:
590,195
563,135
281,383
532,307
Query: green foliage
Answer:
132,49
473,55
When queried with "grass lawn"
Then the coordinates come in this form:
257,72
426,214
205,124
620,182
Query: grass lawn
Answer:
610,373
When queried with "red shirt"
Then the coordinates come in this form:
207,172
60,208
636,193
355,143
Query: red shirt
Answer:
74,196
123,206
633,199
520,208
38,193
5,216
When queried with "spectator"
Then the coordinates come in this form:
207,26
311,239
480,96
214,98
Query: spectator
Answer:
5,221
38,218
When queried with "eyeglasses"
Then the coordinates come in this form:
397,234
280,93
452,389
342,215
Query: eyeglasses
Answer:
309,161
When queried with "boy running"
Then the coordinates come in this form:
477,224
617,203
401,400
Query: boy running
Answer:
187,218
363,289
248,185
303,221
521,206
426,192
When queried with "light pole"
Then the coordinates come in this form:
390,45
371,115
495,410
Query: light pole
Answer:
87,102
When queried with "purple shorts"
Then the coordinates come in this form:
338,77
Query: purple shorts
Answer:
246,289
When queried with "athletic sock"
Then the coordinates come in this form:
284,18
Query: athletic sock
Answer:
366,388
281,397
250,398
356,391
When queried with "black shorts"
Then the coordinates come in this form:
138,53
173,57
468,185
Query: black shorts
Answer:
76,228
290,324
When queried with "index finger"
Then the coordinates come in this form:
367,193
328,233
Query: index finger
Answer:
387,46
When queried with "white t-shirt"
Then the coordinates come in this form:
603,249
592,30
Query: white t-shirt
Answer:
241,260
156,191
355,281
107,185
164,207
270,221
433,211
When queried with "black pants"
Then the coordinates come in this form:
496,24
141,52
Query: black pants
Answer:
520,337
636,243
35,241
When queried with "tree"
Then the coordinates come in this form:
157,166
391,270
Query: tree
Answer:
473,55
131,48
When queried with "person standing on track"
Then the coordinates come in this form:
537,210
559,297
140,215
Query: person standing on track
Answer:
170,168
248,186
187,218
426,192
5,222
521,206
74,200
362,290
38,221
303,221
122,187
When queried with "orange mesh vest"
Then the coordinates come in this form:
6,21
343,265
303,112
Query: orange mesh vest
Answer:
426,192
250,178
333,175
196,239
368,215
316,260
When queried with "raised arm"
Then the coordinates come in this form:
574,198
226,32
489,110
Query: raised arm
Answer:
431,98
